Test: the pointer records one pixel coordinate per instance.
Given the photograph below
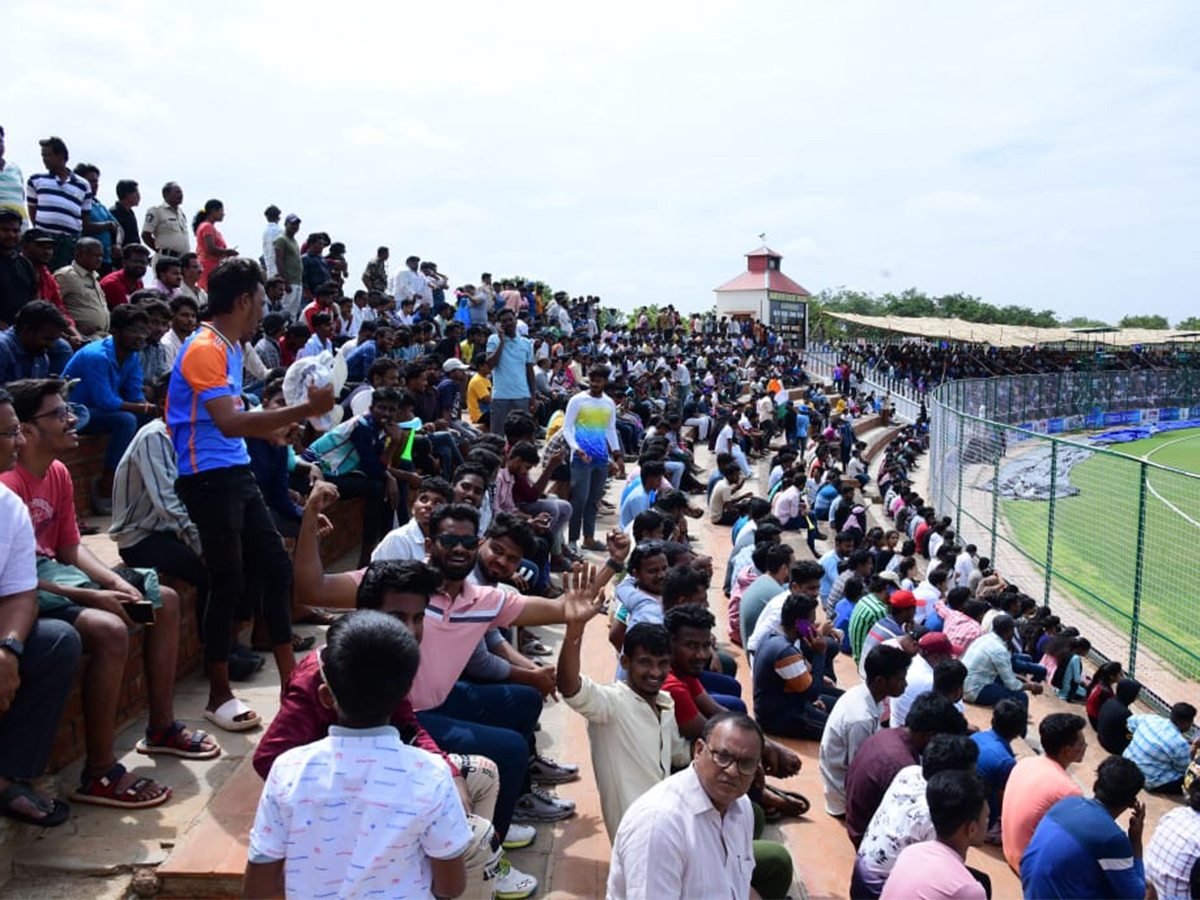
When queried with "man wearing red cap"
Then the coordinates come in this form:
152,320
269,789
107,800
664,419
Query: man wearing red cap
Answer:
902,606
933,648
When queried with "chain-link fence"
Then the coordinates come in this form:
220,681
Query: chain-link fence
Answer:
1106,538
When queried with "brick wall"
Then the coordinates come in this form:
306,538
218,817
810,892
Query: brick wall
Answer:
68,742
85,464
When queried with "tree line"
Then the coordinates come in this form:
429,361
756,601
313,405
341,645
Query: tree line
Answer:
914,303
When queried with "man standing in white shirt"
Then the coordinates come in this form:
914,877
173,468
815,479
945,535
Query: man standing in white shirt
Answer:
411,285
692,835
272,231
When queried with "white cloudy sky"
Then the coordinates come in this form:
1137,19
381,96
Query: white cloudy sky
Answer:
1032,153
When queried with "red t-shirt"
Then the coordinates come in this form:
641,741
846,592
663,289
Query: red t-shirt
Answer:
117,288
684,692
48,291
303,718
1099,693
51,502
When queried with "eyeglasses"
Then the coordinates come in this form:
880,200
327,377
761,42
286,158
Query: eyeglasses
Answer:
62,413
450,541
724,760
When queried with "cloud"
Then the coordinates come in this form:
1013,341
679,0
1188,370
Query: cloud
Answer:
552,200
636,150
947,203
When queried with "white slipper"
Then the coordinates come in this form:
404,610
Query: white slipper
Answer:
233,715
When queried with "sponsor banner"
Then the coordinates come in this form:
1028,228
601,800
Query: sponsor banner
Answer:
1073,423
1056,426
1170,414
1125,417
1150,416
1024,432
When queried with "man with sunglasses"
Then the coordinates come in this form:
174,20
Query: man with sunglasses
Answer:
692,835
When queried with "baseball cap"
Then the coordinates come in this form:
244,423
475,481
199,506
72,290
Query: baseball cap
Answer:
453,365
902,600
292,217
890,577
935,643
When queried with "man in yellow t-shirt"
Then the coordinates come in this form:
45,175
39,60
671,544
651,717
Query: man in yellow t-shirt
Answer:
479,394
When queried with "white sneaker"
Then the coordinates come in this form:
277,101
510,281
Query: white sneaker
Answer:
519,836
512,883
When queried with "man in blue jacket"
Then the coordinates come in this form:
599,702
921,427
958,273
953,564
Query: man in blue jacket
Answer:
109,373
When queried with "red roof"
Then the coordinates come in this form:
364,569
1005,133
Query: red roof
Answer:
764,250
761,277
760,281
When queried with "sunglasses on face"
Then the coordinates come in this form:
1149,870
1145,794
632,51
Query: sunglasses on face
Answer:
450,541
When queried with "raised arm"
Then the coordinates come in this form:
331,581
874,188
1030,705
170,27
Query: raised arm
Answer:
310,583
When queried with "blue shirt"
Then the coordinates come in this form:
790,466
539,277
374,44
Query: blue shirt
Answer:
98,215
359,360
16,363
1158,748
828,562
996,761
104,384
510,378
638,501
841,621
1078,851
635,480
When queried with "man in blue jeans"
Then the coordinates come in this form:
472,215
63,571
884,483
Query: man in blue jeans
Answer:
464,717
590,429
110,386
990,675
511,359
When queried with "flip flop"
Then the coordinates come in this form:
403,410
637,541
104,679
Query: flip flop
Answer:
169,741
56,812
233,715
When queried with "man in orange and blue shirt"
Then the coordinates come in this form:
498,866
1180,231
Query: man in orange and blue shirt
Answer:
208,423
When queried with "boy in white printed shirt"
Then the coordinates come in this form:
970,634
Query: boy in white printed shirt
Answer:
360,811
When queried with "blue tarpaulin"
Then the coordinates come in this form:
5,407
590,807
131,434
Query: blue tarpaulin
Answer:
1141,432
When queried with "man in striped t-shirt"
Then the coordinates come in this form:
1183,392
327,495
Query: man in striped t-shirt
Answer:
59,201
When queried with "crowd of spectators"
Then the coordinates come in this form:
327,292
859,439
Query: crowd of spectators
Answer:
921,366
481,428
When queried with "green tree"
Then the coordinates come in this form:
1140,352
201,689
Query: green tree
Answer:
1191,323
1085,322
1145,321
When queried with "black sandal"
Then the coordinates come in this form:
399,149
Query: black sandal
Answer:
56,812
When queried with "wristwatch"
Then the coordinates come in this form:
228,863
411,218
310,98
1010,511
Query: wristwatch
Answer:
13,646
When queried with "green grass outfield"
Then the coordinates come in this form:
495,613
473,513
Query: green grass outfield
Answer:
1096,537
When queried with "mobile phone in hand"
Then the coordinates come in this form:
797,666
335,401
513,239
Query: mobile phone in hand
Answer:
142,612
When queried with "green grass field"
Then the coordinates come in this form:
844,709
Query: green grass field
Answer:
1096,539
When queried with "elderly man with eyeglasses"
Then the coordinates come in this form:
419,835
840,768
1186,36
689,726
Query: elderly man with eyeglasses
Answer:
692,835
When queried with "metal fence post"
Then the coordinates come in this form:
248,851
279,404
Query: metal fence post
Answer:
997,438
1050,519
1140,555
962,421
